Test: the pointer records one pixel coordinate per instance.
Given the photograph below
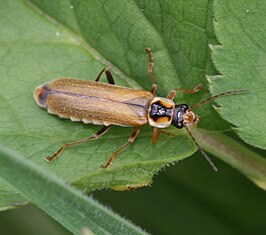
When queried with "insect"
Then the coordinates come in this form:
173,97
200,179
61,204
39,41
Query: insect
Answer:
108,104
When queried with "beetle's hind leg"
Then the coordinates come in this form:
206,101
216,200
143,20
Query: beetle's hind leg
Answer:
108,74
114,154
94,136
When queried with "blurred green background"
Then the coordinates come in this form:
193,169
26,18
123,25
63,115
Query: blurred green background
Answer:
187,198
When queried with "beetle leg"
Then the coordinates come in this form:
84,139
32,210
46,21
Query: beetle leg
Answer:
130,140
171,94
167,132
150,68
153,88
94,136
155,134
108,74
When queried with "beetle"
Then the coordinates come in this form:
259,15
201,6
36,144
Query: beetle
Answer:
108,104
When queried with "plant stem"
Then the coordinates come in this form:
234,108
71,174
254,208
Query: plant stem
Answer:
237,155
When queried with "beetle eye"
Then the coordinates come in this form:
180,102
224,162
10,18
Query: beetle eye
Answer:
179,112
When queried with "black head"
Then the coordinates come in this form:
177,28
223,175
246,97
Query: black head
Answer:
178,116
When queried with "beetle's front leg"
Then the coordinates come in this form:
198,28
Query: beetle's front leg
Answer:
171,94
150,68
157,131
155,134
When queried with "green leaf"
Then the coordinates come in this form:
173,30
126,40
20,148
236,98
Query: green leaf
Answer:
65,204
241,59
37,49
77,39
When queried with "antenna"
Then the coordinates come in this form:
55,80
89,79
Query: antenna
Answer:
216,96
201,150
199,104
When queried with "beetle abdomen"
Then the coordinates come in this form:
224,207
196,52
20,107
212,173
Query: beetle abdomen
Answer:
93,102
